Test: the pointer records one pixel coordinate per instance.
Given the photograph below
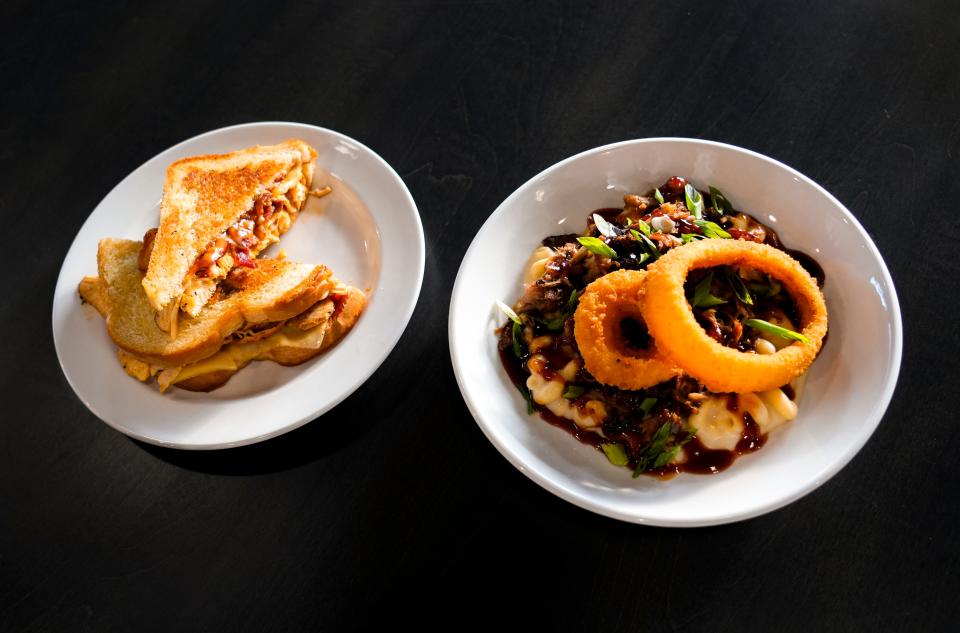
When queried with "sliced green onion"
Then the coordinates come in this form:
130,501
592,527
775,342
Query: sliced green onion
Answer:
517,339
647,405
701,294
528,397
694,200
597,246
720,201
691,237
652,454
665,457
556,323
739,288
767,290
712,229
658,195
766,326
643,227
573,391
654,251
606,229
508,311
615,453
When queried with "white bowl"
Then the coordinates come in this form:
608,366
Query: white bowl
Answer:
367,231
848,388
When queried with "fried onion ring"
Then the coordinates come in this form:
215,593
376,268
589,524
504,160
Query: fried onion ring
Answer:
724,369
597,327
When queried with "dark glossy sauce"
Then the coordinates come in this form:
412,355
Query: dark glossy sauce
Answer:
513,365
699,458
584,437
809,264
702,460
707,461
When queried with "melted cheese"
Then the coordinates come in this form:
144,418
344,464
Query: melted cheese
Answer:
235,356
719,428
537,264
549,393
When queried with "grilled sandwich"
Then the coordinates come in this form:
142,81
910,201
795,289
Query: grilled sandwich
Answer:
218,212
281,311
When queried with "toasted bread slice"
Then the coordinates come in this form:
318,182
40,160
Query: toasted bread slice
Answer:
273,291
95,293
288,346
217,212
288,341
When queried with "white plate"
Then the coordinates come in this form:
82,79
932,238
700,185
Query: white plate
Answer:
367,231
848,388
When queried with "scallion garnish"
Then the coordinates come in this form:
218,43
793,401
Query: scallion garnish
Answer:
557,322
739,288
528,397
643,227
606,229
647,405
720,201
712,229
615,453
691,237
517,334
776,330
701,294
597,246
656,454
654,251
508,311
694,201
573,391
658,195
767,290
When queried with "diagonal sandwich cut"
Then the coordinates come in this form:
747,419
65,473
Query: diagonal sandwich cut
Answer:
282,311
218,212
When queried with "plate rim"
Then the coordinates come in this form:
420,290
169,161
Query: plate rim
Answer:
404,315
814,482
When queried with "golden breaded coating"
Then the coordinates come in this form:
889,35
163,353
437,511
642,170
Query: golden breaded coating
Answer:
597,328
723,369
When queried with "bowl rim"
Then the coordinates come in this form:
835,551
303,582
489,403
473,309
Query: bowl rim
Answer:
574,496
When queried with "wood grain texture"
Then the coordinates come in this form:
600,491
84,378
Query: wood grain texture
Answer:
393,509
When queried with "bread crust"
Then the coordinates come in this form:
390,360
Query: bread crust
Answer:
94,293
325,335
318,312
202,197
207,382
275,291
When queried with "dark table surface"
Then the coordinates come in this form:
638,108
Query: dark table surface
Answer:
393,508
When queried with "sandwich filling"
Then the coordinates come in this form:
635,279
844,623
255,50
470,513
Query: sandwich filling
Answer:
272,215
285,342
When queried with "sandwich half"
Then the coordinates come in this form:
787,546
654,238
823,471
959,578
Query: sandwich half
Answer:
218,212
281,311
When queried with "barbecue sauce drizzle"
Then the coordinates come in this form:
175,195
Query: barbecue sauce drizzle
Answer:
699,459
